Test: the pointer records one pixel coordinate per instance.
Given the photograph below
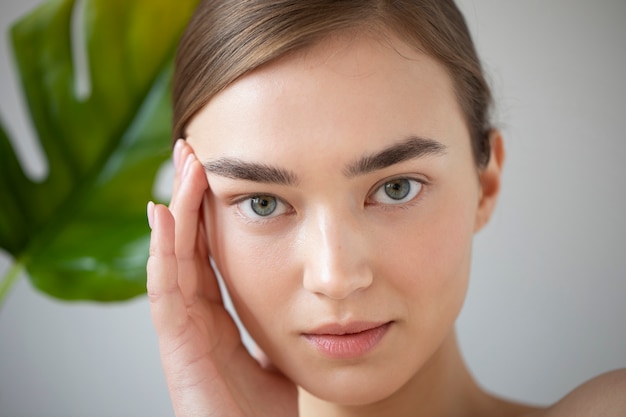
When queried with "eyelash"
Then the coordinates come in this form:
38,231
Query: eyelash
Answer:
288,209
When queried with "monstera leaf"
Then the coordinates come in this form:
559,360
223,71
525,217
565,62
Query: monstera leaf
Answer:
81,233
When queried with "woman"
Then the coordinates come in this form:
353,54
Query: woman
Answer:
335,160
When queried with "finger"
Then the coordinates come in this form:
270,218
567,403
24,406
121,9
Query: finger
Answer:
176,156
167,306
207,288
206,285
180,155
192,266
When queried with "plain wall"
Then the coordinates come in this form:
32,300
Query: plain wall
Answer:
545,309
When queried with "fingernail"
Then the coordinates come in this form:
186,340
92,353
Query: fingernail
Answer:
150,211
188,162
178,146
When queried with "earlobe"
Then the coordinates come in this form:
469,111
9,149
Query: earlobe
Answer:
490,178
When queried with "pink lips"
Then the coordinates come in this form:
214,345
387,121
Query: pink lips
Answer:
347,342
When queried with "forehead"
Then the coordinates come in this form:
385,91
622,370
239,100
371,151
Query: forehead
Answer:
345,96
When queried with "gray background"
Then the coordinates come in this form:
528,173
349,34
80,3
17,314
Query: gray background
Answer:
546,305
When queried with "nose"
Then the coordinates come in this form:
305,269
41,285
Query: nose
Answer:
336,256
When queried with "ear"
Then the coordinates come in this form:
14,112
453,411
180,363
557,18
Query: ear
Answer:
490,178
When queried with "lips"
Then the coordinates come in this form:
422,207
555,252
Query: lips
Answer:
348,341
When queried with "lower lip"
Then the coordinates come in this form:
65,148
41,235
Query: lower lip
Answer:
348,346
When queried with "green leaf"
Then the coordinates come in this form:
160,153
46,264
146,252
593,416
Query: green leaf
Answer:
82,232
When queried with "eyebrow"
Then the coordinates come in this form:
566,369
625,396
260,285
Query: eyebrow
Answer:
241,170
411,148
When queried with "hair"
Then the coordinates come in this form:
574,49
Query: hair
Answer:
226,39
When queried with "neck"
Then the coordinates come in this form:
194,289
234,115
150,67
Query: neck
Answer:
443,387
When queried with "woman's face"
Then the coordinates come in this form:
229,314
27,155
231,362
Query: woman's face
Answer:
343,199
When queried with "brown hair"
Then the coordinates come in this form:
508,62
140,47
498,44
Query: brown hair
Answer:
227,38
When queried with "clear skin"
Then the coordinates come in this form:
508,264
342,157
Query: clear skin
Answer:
336,250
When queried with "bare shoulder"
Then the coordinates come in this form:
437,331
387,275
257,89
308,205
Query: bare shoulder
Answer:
604,395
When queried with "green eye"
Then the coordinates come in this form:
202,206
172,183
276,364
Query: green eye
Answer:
397,191
263,205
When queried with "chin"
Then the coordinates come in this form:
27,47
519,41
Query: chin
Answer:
353,388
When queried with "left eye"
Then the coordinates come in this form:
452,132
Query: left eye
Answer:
397,191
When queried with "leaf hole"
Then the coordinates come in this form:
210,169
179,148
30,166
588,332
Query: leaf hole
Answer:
13,108
80,56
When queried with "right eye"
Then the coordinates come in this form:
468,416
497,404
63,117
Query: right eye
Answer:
262,206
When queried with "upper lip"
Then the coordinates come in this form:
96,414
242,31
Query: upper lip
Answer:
338,329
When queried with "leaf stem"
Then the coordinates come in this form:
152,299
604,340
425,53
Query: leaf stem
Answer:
10,278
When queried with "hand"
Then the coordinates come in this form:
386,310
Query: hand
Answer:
208,370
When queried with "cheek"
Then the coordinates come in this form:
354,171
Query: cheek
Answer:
256,271
434,247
